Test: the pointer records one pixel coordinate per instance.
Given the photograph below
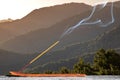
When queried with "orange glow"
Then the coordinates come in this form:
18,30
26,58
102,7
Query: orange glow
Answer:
45,75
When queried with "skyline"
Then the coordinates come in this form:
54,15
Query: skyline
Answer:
16,9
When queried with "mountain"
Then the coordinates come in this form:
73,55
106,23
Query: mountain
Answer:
107,40
110,39
117,3
70,55
10,61
6,20
40,18
83,42
38,40
65,57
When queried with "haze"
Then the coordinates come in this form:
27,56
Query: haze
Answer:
16,9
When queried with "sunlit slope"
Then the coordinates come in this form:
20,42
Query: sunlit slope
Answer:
40,18
38,40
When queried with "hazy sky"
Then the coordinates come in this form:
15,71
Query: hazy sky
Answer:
16,9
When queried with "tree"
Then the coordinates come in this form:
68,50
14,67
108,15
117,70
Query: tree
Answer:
99,59
81,67
107,62
64,70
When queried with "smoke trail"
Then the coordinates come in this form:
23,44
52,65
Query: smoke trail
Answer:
112,18
82,22
85,20
41,54
101,4
69,30
100,23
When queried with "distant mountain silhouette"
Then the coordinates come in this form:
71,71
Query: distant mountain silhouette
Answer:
37,41
6,20
37,19
40,18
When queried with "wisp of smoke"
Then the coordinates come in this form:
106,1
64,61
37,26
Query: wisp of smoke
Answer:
98,22
102,4
69,30
112,18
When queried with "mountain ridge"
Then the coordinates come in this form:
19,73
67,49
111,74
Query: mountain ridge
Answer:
35,41
42,18
76,47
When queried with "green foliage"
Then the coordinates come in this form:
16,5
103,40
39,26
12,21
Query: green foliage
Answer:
81,67
106,62
64,70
